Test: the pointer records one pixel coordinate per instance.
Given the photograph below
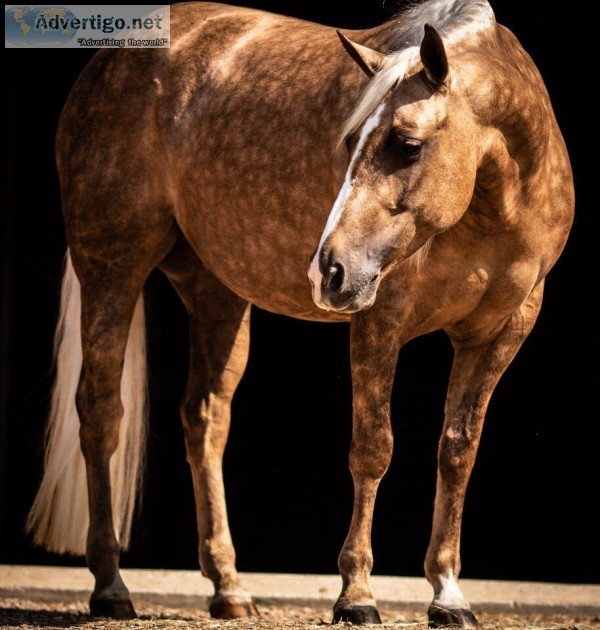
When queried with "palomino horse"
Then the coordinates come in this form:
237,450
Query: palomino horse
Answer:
218,161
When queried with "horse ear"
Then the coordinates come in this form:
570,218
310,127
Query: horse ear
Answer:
369,60
433,56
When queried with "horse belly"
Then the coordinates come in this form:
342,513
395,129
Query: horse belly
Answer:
262,254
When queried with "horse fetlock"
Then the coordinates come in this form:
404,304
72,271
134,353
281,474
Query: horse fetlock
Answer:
111,599
220,570
355,563
102,557
442,563
223,575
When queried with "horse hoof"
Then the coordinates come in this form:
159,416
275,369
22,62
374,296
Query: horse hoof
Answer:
455,617
356,615
224,608
113,608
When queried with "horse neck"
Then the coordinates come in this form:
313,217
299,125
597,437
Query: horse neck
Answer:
514,111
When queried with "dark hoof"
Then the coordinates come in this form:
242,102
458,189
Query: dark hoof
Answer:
232,609
452,617
113,608
356,615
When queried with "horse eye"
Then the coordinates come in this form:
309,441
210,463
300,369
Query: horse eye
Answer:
410,147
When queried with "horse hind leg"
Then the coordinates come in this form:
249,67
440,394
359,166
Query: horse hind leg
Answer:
219,343
111,284
476,371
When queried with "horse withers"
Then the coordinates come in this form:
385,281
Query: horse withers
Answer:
218,161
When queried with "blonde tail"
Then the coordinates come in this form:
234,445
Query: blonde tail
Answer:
59,518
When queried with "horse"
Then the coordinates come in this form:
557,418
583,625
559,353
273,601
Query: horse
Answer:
421,159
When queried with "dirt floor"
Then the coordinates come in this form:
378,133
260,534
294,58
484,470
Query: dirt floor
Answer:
24,614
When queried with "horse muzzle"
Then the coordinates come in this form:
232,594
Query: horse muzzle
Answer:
337,287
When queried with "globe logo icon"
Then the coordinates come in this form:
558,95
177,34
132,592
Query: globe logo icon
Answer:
38,26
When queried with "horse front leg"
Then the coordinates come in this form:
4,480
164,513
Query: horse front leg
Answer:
476,370
219,326
374,352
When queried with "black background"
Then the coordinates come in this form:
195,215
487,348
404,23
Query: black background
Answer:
531,507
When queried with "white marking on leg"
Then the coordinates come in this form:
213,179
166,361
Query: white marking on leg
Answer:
448,593
314,273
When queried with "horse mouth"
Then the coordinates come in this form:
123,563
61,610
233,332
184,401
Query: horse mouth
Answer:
354,300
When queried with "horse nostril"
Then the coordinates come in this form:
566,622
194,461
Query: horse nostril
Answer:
334,277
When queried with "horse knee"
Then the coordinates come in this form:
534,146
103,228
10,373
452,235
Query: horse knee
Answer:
371,452
456,453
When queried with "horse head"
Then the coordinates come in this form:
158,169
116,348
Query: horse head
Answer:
414,154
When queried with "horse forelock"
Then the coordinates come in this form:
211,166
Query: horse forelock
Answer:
456,20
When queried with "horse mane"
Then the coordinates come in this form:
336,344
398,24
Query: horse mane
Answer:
455,20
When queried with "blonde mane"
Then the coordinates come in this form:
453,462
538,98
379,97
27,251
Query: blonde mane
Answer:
458,21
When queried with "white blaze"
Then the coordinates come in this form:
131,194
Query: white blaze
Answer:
314,273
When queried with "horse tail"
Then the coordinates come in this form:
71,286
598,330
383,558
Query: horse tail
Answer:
59,516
